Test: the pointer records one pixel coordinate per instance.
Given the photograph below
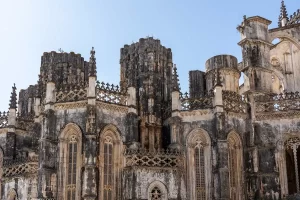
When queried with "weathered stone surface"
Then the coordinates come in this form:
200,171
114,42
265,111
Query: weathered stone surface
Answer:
77,138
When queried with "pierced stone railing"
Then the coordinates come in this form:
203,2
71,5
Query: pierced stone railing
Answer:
20,166
110,93
279,102
153,158
3,119
204,102
71,93
295,18
233,102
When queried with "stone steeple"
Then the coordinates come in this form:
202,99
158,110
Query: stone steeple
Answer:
13,98
92,63
175,79
283,17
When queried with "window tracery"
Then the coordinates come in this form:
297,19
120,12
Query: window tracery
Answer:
70,163
108,168
156,194
199,171
235,165
109,163
292,155
71,168
199,167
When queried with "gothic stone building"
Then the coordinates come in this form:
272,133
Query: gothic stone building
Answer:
74,138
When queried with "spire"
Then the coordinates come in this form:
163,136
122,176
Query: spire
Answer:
92,63
13,98
175,79
283,15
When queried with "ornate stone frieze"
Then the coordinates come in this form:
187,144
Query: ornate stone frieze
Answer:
112,107
73,105
153,158
278,115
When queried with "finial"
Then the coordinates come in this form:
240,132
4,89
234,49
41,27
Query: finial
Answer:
92,63
283,14
13,98
175,79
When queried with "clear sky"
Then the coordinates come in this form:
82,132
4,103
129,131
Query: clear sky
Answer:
194,30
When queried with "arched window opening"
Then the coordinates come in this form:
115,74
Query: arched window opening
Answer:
200,172
235,165
110,163
156,194
72,163
292,164
108,168
199,165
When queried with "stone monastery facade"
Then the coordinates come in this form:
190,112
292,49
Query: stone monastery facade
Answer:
70,137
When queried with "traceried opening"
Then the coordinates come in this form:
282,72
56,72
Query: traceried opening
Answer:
235,165
292,164
71,169
156,194
200,173
108,169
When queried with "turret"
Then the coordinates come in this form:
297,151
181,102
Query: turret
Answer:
224,66
197,83
256,54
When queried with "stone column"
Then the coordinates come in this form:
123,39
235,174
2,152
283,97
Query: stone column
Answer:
91,171
11,134
48,143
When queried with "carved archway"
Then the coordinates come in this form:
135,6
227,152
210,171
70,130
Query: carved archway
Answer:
157,191
198,161
70,156
110,162
235,164
292,160
284,35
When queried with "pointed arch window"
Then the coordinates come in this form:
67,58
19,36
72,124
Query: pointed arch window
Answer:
70,163
235,165
108,169
110,163
71,168
199,165
200,172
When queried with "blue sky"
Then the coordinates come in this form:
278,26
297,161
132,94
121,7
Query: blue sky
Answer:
194,30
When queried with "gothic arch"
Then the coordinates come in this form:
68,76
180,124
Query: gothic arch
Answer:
287,161
157,190
70,150
110,162
235,165
198,144
284,34
12,195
